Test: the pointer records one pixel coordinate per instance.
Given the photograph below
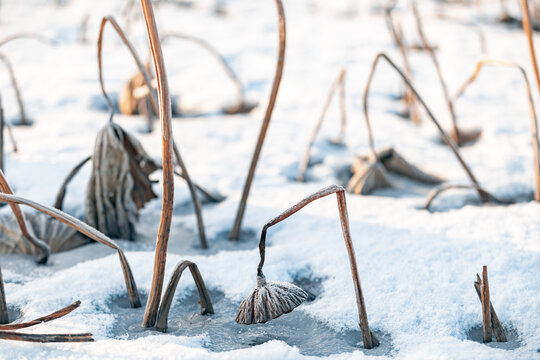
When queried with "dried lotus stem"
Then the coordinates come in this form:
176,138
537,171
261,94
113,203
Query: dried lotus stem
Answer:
53,316
10,133
2,127
440,75
32,36
533,118
240,100
154,102
62,191
496,325
486,310
483,195
204,297
235,232
4,319
396,30
21,221
45,338
16,89
164,112
528,32
88,231
368,337
438,191
339,82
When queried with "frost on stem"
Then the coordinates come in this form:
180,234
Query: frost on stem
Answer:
270,300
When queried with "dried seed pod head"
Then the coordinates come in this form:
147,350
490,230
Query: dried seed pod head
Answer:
269,300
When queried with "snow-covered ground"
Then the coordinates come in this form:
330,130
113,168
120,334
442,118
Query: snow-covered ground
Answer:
417,268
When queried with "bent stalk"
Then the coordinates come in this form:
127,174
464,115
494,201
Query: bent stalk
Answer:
533,118
63,188
483,196
235,232
16,89
53,316
204,297
88,231
4,319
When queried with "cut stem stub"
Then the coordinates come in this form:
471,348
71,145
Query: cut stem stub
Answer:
260,307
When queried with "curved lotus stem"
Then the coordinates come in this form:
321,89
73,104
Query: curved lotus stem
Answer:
154,102
62,192
46,338
15,84
528,32
134,54
88,231
33,36
21,220
266,121
3,306
438,191
53,316
154,296
533,118
212,50
204,297
339,82
444,135
437,66
396,30
368,337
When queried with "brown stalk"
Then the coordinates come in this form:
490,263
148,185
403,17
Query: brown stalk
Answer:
528,32
21,221
154,101
482,194
439,190
33,36
266,121
533,118
62,192
88,231
204,297
339,83
4,319
45,338
53,316
368,337
396,30
2,127
486,310
164,112
15,85
496,325
459,139
240,102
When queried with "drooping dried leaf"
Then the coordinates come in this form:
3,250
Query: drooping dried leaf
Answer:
269,300
367,177
395,163
119,185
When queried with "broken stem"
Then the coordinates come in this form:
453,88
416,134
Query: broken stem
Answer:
45,338
164,112
204,297
496,325
337,83
88,231
53,316
15,85
266,121
23,226
62,191
368,337
483,196
533,118
486,310
439,190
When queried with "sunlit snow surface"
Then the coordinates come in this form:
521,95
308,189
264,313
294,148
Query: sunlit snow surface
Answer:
417,268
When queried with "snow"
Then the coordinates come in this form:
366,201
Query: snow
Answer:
416,268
